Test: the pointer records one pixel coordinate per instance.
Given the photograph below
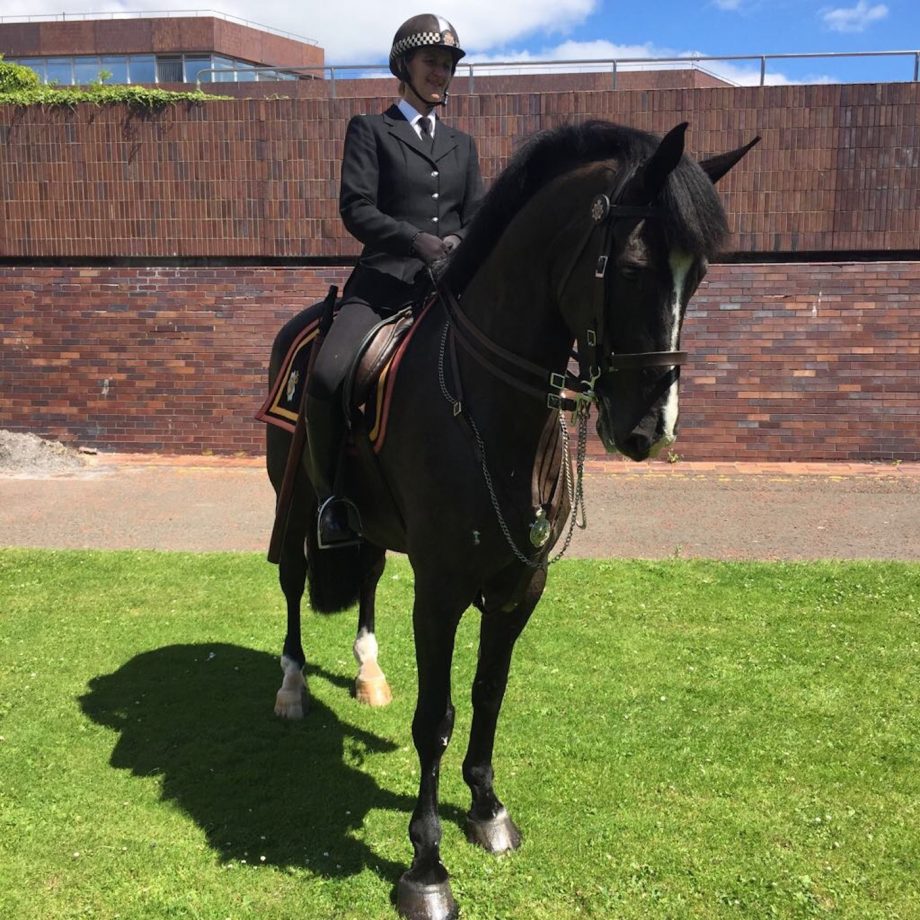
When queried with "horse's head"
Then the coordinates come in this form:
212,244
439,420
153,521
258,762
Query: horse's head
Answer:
651,228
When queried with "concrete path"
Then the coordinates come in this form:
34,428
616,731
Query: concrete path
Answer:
653,511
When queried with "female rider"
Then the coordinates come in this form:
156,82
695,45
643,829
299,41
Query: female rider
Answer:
410,185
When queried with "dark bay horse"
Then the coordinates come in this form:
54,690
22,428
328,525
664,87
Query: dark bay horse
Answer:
595,236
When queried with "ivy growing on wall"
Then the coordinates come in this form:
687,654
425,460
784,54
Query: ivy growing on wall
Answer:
21,86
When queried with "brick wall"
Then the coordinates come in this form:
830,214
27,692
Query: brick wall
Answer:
788,361
150,35
838,168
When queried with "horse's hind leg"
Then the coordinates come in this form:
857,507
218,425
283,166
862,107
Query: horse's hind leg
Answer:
291,700
371,685
488,823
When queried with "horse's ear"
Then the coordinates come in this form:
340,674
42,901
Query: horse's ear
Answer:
664,160
718,166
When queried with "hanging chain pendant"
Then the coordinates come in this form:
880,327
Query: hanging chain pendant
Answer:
540,530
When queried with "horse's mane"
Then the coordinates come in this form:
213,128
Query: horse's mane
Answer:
694,219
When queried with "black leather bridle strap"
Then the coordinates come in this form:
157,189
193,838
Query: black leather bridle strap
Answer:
551,388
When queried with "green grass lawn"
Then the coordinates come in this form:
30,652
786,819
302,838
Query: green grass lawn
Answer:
680,739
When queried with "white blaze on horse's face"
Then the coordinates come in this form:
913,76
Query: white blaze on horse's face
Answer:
680,263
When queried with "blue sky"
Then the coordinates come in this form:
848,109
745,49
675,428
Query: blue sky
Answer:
360,31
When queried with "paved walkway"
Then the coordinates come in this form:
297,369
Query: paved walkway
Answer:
712,510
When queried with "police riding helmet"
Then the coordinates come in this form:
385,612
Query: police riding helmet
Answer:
423,31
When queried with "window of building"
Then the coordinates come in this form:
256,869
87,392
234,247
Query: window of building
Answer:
220,63
117,66
169,68
142,68
194,64
36,64
59,70
86,70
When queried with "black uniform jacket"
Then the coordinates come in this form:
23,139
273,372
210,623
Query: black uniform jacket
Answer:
393,187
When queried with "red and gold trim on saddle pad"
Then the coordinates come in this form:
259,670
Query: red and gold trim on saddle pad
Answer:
386,382
283,403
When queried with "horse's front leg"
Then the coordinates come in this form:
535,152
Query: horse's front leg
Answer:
488,823
371,685
423,892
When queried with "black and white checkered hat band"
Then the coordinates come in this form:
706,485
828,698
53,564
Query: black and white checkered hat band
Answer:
421,40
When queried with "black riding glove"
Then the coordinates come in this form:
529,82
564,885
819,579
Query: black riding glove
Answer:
429,248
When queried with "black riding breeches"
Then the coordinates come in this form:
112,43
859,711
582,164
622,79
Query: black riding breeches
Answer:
352,323
369,297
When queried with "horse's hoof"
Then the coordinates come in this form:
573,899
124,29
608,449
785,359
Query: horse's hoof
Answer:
291,704
373,692
417,901
371,687
497,835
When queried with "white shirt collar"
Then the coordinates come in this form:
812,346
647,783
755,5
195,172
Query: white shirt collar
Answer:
413,116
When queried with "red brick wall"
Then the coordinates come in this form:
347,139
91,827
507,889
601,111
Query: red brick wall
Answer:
838,168
788,361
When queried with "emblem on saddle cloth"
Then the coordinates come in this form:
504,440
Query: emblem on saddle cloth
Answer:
283,402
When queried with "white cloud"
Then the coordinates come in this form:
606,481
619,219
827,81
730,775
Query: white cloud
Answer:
572,51
728,4
854,18
749,75
738,73
358,31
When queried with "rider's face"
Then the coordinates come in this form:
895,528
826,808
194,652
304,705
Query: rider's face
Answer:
430,71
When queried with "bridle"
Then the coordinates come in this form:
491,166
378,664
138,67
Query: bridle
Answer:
593,363
564,390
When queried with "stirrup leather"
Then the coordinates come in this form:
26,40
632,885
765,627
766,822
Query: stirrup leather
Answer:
354,518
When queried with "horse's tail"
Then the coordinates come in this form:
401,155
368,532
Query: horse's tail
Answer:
333,575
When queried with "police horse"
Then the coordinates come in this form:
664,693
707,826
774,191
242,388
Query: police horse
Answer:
594,238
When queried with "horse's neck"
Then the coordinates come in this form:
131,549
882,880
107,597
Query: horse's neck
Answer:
513,307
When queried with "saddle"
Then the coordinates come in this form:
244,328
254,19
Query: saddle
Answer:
367,374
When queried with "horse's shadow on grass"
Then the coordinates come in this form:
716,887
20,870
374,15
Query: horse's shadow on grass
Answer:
263,790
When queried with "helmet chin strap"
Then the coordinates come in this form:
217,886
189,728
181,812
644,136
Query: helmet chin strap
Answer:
421,98
406,79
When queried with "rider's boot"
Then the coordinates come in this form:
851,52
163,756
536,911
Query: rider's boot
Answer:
338,522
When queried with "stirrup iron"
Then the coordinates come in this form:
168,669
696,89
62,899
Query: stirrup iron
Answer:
354,523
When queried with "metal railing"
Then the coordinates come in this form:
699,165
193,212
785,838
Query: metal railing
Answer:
614,65
155,14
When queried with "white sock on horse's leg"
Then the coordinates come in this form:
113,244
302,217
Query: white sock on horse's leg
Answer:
291,700
371,685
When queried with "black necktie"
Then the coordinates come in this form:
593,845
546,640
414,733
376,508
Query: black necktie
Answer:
427,137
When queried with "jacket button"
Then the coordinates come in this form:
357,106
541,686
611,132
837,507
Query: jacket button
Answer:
434,220
435,195
434,173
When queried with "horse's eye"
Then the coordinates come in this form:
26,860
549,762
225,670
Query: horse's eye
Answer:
630,272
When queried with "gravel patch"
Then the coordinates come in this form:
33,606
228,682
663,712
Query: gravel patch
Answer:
27,453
